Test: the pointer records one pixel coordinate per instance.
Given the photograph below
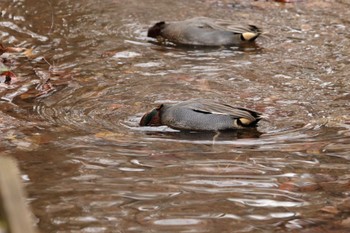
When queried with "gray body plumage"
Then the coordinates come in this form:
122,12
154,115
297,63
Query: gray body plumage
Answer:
206,32
206,115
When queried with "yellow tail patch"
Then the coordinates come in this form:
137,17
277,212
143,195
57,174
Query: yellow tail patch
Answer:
248,35
245,121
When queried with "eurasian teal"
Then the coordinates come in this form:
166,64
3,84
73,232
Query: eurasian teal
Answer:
201,115
203,31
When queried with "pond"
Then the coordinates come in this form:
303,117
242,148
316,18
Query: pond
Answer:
89,167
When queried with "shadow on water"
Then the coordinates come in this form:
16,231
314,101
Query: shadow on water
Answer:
194,137
246,47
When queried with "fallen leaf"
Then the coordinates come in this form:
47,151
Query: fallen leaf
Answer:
116,106
344,205
7,77
289,186
304,183
337,186
104,134
2,49
26,52
345,222
29,53
330,209
288,1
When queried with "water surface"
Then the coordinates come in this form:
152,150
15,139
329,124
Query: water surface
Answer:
87,165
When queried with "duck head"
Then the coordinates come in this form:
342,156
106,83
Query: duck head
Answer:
152,118
155,30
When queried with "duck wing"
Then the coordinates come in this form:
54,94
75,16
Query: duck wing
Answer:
211,107
222,25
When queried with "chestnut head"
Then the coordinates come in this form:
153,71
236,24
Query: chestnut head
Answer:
156,30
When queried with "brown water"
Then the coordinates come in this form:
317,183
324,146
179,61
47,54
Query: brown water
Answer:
87,165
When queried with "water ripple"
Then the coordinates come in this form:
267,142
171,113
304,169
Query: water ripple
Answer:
16,28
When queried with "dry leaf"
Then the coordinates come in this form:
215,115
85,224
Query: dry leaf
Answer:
344,205
29,53
288,1
7,77
330,209
345,222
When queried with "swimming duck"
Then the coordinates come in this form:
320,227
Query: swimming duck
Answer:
203,31
201,115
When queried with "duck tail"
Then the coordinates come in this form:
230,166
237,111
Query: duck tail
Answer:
253,33
251,118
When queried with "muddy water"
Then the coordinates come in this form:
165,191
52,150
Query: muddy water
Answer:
88,167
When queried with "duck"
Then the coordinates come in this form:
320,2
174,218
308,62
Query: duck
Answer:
201,115
204,31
